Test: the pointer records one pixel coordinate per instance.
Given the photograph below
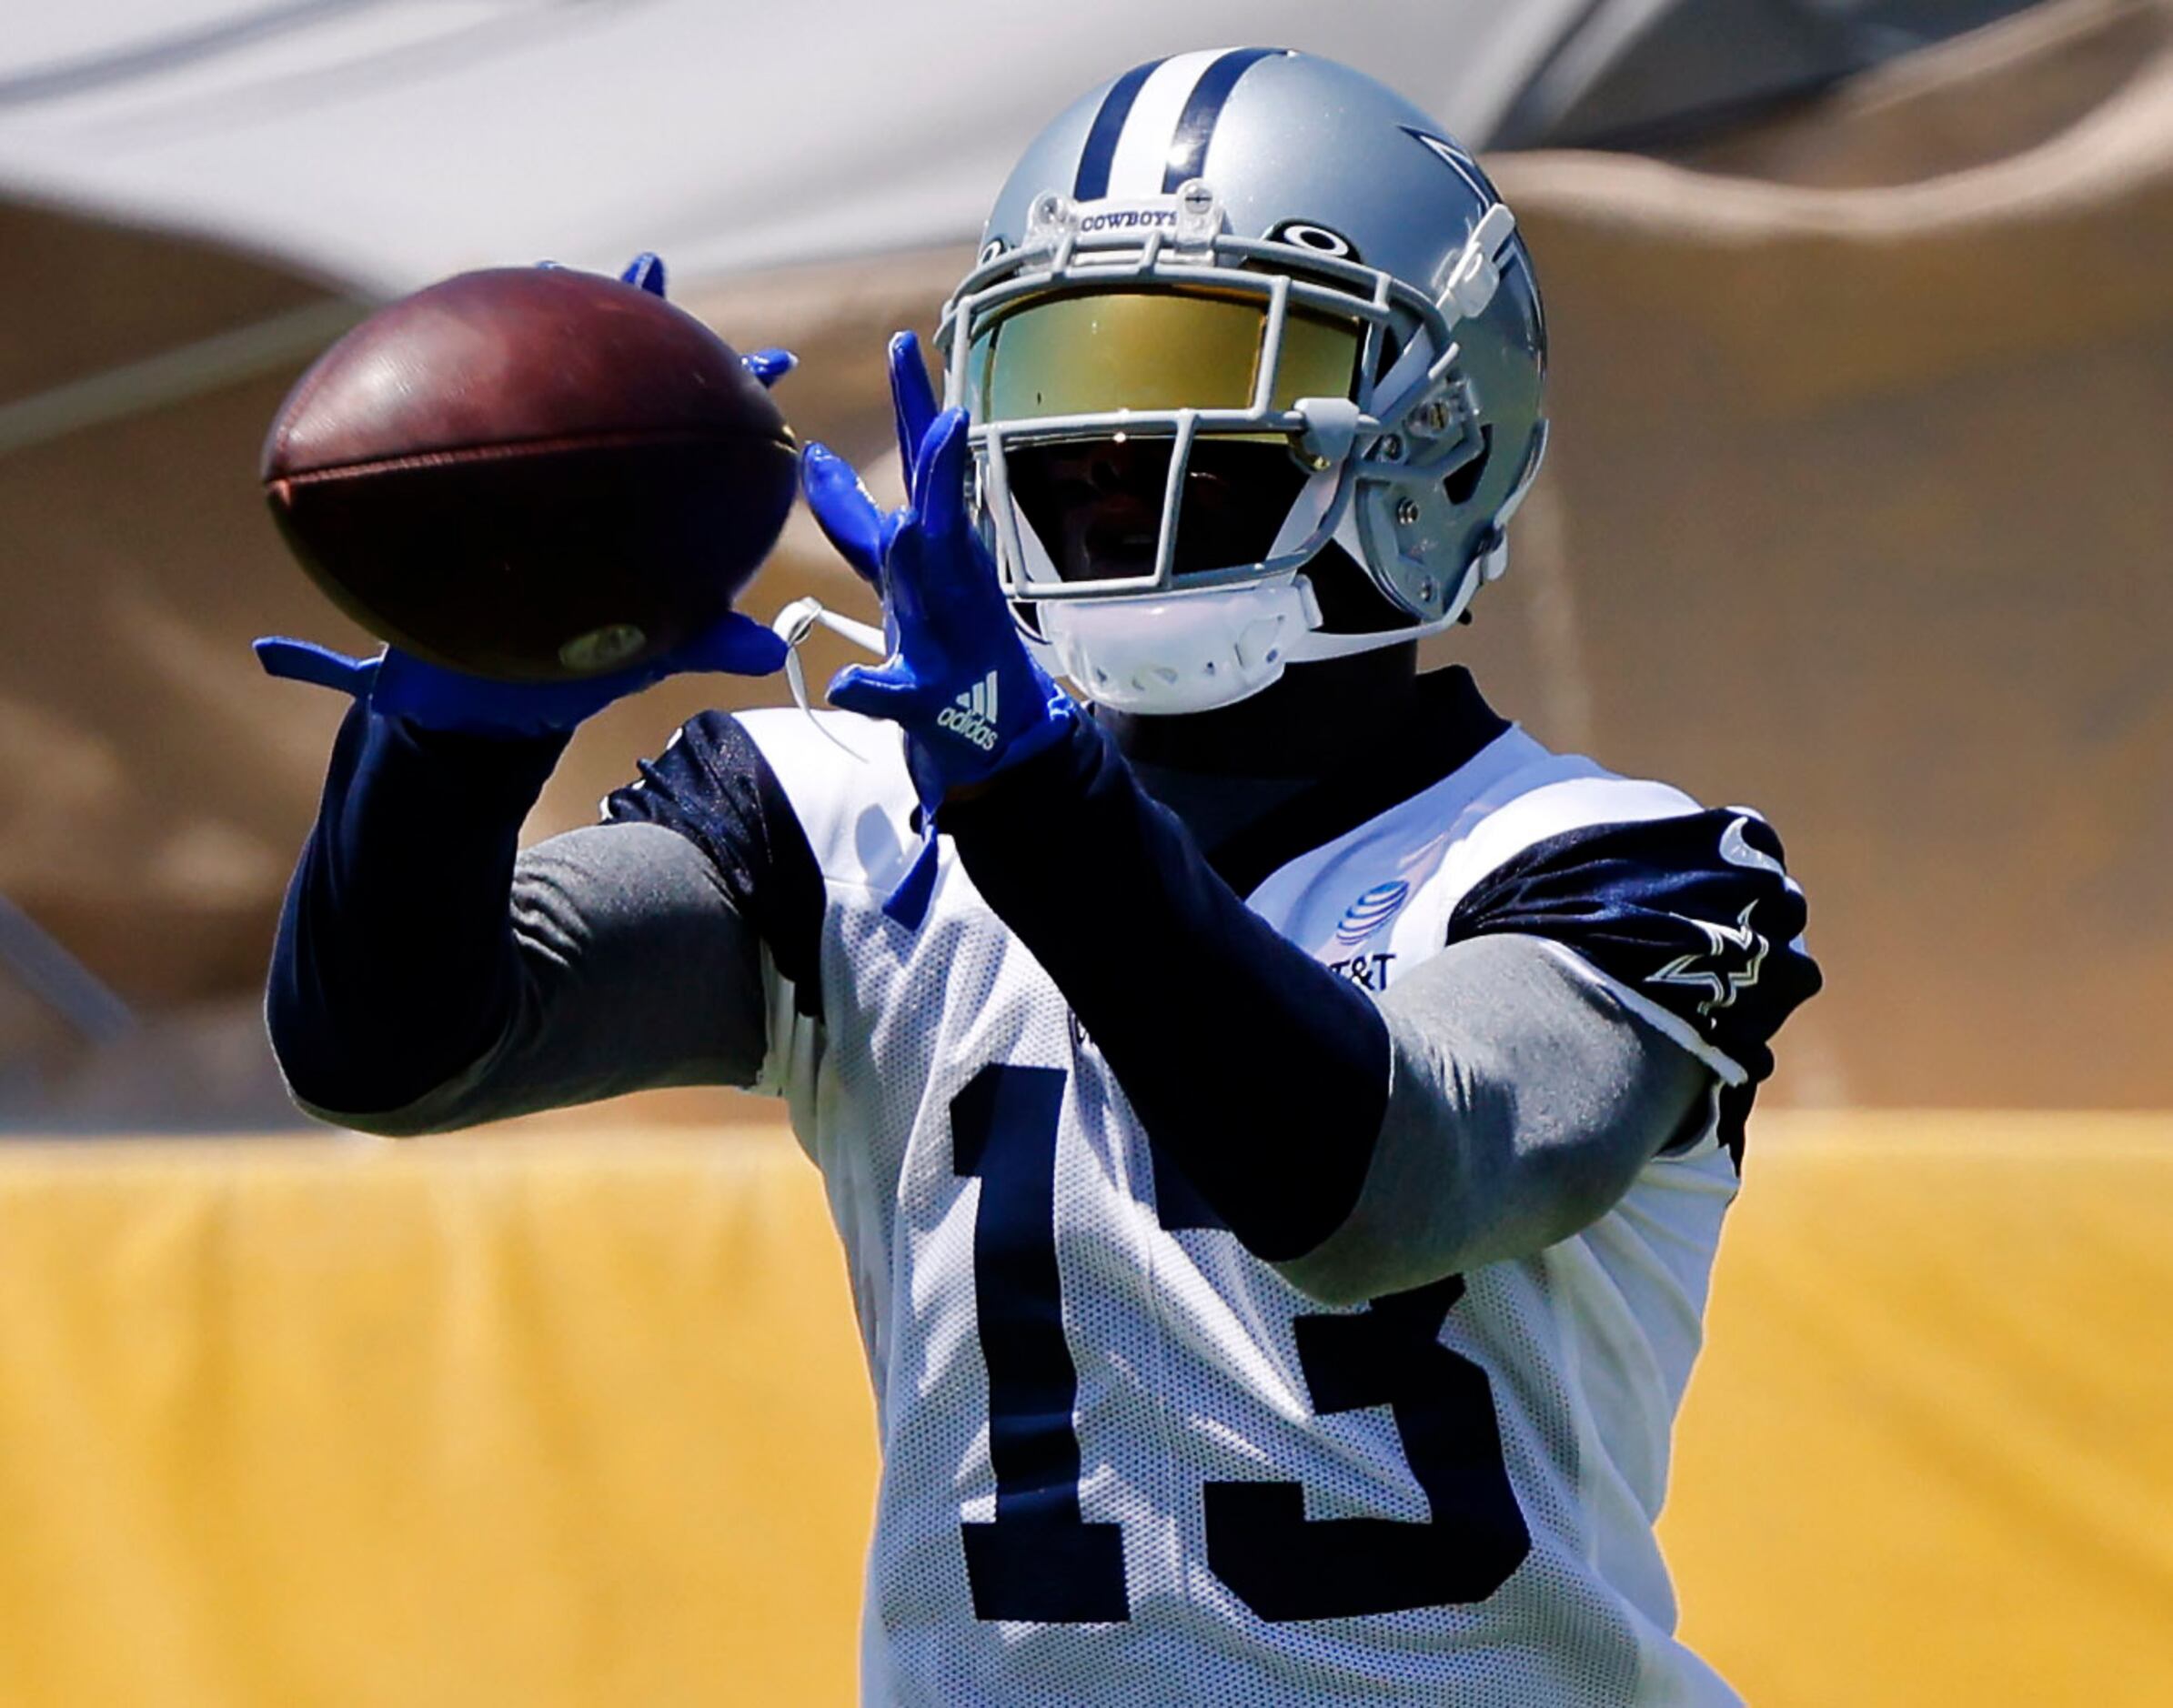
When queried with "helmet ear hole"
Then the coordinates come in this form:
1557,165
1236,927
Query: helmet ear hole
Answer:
1350,603
1462,484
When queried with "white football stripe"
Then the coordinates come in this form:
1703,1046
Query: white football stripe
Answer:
1142,152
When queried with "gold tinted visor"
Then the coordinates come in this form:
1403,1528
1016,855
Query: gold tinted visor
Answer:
1104,351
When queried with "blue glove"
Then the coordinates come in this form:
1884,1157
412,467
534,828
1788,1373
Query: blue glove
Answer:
404,685
850,518
958,680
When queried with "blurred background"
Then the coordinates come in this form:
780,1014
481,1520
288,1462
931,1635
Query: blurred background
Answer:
1857,510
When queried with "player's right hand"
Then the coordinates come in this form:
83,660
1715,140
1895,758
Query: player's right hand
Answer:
403,685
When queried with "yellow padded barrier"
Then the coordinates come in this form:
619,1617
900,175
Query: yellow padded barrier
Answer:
549,1422
1928,1456
460,1422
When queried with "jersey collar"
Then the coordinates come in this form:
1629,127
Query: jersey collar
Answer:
1453,725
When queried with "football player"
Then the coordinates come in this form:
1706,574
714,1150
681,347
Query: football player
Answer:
1278,1114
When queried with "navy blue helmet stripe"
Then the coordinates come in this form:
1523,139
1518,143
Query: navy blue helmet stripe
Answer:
1092,182
1196,124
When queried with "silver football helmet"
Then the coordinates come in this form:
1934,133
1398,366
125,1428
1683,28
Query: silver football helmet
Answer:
1232,307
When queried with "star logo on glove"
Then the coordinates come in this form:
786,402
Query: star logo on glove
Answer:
1711,968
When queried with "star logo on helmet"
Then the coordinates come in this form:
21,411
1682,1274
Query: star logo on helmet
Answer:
1726,967
1455,158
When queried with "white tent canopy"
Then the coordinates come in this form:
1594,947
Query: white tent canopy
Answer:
390,144
386,143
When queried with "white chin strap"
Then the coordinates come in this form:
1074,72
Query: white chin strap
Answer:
1177,655
1162,656
1165,654
1165,657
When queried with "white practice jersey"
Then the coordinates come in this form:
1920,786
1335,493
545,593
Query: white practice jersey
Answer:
1125,1462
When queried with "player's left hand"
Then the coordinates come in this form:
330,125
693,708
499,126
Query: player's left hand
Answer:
958,680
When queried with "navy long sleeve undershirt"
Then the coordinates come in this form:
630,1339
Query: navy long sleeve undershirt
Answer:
395,962
1256,1069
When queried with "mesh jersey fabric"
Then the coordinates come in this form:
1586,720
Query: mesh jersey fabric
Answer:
1124,1460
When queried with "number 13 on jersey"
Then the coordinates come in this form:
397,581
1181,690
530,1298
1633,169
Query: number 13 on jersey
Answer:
1039,1559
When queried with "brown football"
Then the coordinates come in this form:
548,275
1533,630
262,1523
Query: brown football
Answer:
532,473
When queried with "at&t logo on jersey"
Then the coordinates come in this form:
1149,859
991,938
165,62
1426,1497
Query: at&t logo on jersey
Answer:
972,716
1371,912
1364,918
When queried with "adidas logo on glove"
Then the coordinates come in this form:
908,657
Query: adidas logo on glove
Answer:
973,717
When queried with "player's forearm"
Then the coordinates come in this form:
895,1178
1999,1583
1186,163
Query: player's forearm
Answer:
1260,1073
1525,1100
395,965
427,977
632,971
